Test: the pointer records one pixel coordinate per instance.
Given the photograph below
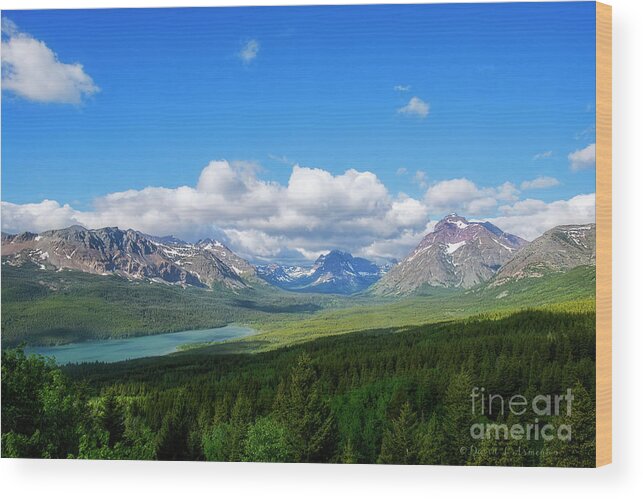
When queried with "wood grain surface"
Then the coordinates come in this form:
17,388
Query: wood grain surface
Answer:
603,234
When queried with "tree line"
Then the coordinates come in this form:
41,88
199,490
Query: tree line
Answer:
370,397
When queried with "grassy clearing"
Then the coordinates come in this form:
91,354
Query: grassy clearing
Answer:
577,286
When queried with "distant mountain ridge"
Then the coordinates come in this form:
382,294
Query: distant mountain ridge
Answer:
130,254
335,272
456,254
135,255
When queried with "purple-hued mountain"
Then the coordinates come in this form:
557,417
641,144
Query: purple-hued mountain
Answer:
457,254
335,272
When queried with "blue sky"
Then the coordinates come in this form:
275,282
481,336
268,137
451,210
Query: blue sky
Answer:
508,91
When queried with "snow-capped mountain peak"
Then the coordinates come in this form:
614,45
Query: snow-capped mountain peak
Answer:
333,272
457,253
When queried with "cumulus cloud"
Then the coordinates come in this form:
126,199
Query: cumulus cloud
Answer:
530,218
401,171
415,107
402,88
33,71
465,197
314,211
249,51
398,247
38,217
583,159
539,183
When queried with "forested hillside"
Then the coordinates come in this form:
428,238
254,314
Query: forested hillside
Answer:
371,396
46,307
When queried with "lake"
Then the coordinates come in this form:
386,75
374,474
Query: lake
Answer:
114,350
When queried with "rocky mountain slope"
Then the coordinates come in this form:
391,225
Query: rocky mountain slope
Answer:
130,254
458,253
335,272
559,249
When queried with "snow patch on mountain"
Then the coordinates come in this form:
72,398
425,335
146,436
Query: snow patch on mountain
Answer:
452,247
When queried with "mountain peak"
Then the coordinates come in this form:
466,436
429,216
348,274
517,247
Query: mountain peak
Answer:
334,254
561,248
334,272
457,253
453,219
210,243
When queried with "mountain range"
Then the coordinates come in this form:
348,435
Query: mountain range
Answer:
334,272
130,254
457,254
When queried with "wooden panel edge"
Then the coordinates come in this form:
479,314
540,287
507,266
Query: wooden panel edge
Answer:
603,234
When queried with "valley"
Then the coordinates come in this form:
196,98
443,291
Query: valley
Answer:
109,284
366,356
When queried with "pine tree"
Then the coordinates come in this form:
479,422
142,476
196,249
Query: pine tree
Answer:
433,443
239,423
173,444
307,416
399,443
349,453
214,442
458,418
113,418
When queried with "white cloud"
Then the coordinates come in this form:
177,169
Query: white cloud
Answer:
33,71
415,107
314,254
249,51
314,211
504,192
397,247
9,28
420,179
583,158
530,218
539,183
407,212
401,171
543,155
463,196
38,217
402,88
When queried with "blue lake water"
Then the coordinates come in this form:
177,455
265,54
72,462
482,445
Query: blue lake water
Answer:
114,350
